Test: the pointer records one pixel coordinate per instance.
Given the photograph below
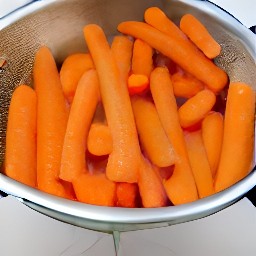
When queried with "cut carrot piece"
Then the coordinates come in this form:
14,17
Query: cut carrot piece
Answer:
180,51
238,136
151,133
212,133
99,140
196,108
180,187
142,58
124,160
127,195
121,48
73,161
150,186
185,85
199,163
199,35
95,189
52,116
137,83
71,71
20,155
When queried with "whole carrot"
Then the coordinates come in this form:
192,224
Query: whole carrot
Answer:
212,133
86,98
153,138
20,155
71,71
124,160
180,52
199,35
52,116
199,163
196,108
238,136
180,187
142,58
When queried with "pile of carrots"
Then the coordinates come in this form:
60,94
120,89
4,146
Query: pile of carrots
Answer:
134,122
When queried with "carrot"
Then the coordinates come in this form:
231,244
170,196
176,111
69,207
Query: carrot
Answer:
185,85
71,71
124,160
142,61
155,17
137,83
86,99
20,155
150,186
95,189
199,163
238,136
121,48
127,195
180,187
180,51
196,108
52,116
151,133
212,133
199,35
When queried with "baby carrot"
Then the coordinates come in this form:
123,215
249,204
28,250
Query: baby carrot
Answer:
150,186
212,133
95,189
180,51
153,138
127,195
71,71
142,58
180,187
137,83
52,116
199,35
86,99
199,163
238,136
196,108
185,85
124,160
121,48
20,155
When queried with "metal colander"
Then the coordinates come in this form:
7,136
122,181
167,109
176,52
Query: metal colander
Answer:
59,26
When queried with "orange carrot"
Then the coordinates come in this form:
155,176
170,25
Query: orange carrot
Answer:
121,48
95,189
151,133
124,160
212,133
180,187
71,71
185,85
199,35
199,163
180,51
196,108
238,136
20,155
52,116
137,83
127,195
142,61
150,186
86,98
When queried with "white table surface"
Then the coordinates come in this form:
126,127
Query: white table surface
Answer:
231,232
